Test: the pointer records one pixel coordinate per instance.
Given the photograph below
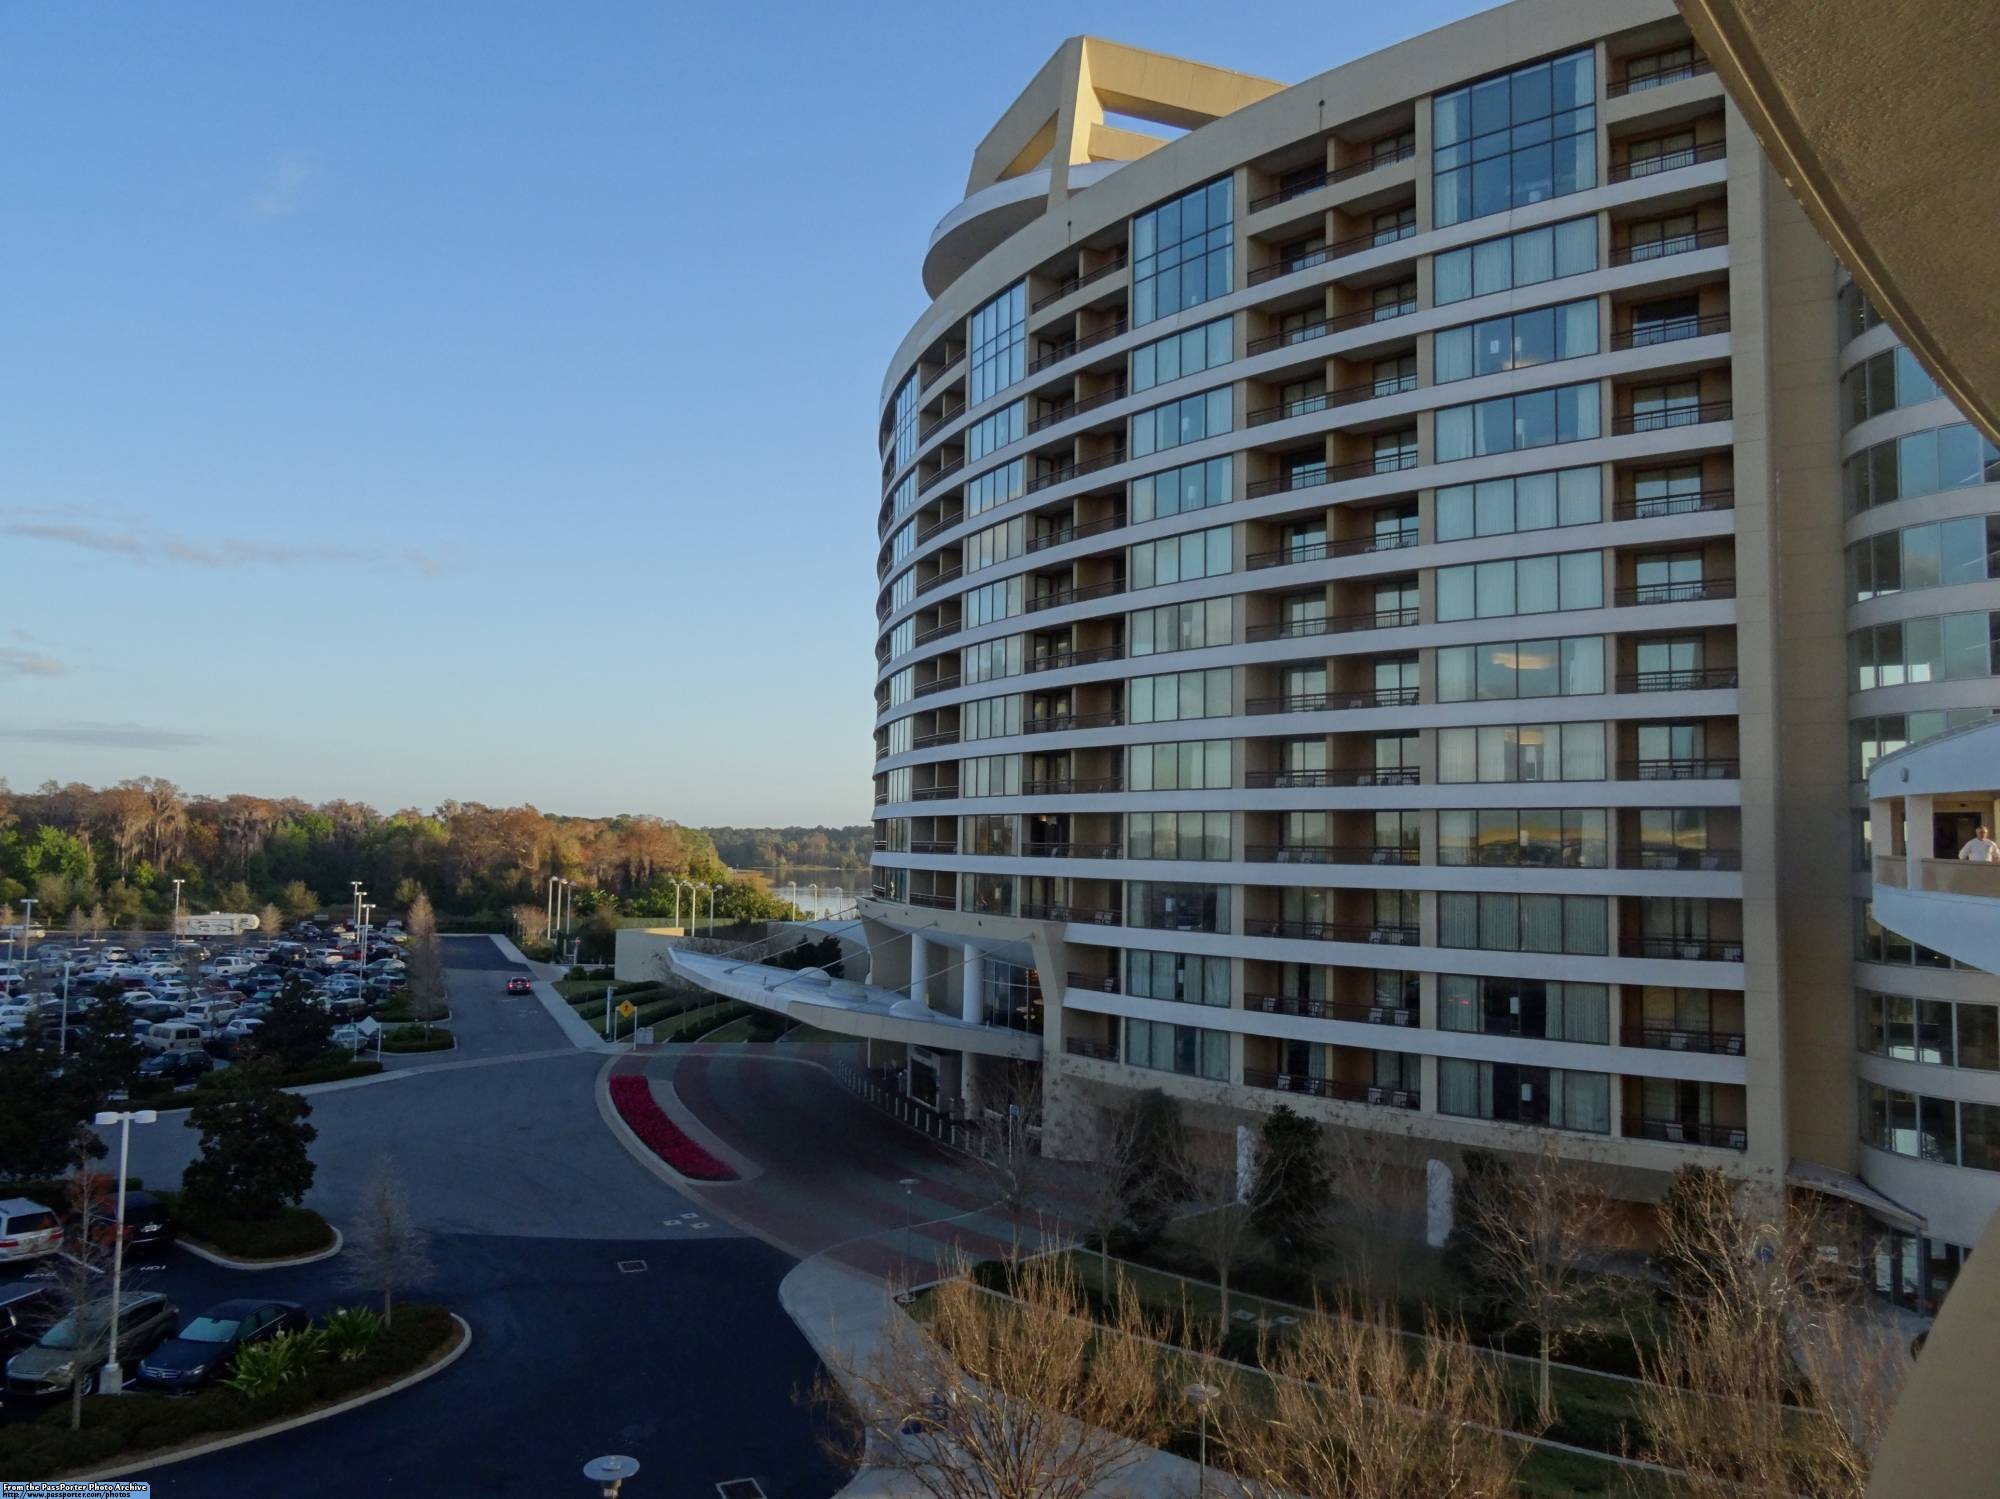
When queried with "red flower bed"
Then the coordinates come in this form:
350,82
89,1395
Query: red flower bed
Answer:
634,1101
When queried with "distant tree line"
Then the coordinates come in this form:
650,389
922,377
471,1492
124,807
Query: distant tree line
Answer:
107,859
794,848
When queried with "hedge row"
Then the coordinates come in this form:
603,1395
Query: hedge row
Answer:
121,1430
633,1099
294,1231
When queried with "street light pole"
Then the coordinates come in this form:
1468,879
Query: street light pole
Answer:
1201,1395
357,900
610,1473
909,1186
27,924
111,1380
177,906
62,1035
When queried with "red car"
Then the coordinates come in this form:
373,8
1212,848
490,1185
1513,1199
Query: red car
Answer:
520,986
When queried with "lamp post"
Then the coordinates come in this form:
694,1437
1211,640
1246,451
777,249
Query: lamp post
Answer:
1200,1395
27,926
610,1472
111,1380
909,1186
549,918
62,1034
357,900
711,910
177,906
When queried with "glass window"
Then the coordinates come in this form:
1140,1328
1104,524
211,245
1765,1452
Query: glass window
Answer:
1180,559
1181,252
999,343
1521,585
1181,354
1920,463
906,422
1506,424
1524,259
991,433
1187,420
1187,765
1516,139
1179,696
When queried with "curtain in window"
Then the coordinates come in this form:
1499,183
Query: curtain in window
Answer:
1541,923
1576,329
1452,355
1459,1088
1586,924
1458,919
1579,1012
1585,1101
1458,755
1458,1003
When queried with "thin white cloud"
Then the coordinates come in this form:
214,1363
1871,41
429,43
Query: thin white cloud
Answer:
283,186
15,663
101,736
139,542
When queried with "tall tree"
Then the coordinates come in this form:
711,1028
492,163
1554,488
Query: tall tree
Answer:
255,1147
1293,1193
40,1116
386,1250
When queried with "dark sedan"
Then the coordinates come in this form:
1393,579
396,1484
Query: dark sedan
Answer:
520,986
203,1350
175,1066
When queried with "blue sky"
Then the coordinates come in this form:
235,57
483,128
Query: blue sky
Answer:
388,412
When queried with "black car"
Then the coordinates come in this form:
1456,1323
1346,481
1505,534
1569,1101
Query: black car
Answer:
148,1224
203,1349
25,1313
175,1066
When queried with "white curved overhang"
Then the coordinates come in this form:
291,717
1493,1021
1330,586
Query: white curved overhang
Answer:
810,996
989,217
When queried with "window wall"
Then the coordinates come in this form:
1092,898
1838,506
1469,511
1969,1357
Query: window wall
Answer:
1931,1129
1502,921
999,343
1507,424
1523,668
1943,648
906,422
1935,1032
995,487
1178,696
995,544
990,717
990,775
1186,1049
1515,340
1187,765
1524,259
1538,837
1177,835
1890,379
1174,491
990,661
1180,354
1182,558
1177,908
1938,555
1498,753
1178,627
1187,420
991,433
1514,1094
1186,977
1524,1007
1182,252
1521,585
992,601
1921,463
1514,139
1524,502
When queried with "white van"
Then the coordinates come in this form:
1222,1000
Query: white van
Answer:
173,1035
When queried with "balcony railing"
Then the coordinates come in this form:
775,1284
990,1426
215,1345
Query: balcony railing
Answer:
1689,679
942,523
940,578
1061,596
1655,506
931,741
934,793
1695,69
1096,983
1076,346
933,845
1680,858
1347,395
1056,723
1332,624
1683,949
1319,551
1360,318
1667,161
1074,533
1075,470
1671,244
1688,1132
944,419
933,902
1069,409
1320,473
1324,702
1386,933
1557,855
1087,915
1072,850
945,371
1674,1038
1077,283
1370,241
1072,785
1097,1051
1057,660
935,632
1688,769
1669,416
1689,592
1328,1009
935,685
1289,780
1328,853
1333,1088
1314,181
1670,330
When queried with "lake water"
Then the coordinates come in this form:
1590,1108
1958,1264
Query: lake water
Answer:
819,892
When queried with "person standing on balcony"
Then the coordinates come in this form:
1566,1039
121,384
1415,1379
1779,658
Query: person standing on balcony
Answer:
1980,849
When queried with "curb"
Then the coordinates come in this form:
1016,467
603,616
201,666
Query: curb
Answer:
691,1123
237,1439
215,1257
637,1148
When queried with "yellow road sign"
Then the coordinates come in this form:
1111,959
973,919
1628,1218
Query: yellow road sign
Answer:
626,1010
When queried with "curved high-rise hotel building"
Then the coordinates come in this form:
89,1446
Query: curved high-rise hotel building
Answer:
1389,587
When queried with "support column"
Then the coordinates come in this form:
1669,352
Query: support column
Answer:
920,969
1918,836
971,1001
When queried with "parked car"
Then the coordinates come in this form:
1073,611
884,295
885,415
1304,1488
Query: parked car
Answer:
520,986
148,1225
204,1349
173,1035
26,1310
27,1230
75,1348
176,1066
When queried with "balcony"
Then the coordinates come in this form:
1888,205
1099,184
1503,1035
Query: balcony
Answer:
1290,780
1680,770
1313,182
1319,551
1673,244
1925,805
1361,318
1332,624
1068,471
933,902
1691,679
1668,417
1347,395
935,632
1097,1051
931,741
934,793
940,578
1372,240
1077,283
1076,346
1666,161
1322,702
1688,1132
1060,414
1656,506
1072,785
1057,723
1072,850
1700,67
1690,592
933,845
936,685
1670,330
1087,915
1668,1038
945,418
1683,949
1680,858
1328,853
1077,595
1057,660
1332,1088
1328,1009
1074,533
1384,934
1320,473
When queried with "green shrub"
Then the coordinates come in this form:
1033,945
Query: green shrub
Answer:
263,1368
405,1038
350,1332
294,1231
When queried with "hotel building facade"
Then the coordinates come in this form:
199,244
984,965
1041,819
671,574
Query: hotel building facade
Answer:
1387,600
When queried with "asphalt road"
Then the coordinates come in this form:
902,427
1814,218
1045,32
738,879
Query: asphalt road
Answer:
689,1365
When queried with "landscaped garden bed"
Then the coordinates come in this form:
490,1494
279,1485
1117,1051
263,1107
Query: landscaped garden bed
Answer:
407,1038
293,1232
632,1097
136,1425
